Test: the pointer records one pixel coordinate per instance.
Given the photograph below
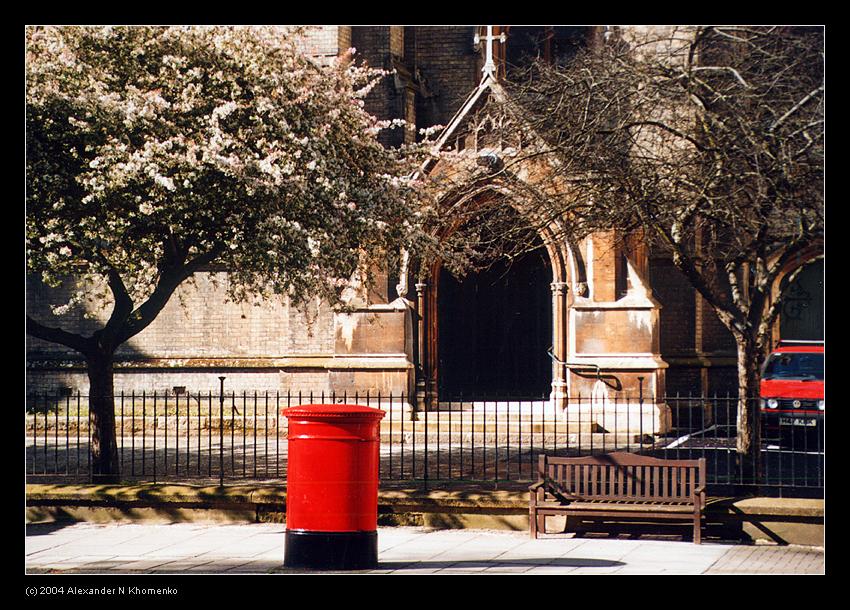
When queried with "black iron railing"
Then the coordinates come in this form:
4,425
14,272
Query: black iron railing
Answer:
239,437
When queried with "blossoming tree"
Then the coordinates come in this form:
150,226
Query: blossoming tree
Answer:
153,152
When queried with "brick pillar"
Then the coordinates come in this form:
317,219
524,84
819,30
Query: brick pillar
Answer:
607,268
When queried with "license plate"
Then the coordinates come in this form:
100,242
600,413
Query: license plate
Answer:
797,421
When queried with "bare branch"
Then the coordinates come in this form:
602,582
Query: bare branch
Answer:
796,107
729,69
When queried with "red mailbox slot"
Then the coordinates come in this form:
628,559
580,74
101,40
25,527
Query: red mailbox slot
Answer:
332,487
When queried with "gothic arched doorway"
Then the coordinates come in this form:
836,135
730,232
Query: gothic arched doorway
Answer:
494,329
801,317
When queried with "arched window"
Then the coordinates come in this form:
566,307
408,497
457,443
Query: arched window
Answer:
801,316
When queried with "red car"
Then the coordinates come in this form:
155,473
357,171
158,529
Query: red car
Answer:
792,395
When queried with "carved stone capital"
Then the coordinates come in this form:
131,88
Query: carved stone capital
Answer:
559,288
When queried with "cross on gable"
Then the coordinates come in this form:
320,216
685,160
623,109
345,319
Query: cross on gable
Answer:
489,40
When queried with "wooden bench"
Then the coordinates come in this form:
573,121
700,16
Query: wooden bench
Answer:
618,485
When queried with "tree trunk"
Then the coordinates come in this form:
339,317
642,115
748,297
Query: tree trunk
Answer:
749,421
104,449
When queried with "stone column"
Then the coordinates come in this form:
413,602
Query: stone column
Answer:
421,370
560,391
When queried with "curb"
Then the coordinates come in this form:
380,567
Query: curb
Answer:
773,520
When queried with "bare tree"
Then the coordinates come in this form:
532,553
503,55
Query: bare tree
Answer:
707,142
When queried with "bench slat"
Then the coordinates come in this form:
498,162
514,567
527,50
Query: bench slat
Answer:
611,506
605,480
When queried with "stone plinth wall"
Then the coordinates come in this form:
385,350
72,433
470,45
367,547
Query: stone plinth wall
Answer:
200,335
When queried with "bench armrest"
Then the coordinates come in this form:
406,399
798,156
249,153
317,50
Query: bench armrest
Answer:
536,486
554,488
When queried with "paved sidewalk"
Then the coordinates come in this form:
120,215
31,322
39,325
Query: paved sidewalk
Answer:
190,548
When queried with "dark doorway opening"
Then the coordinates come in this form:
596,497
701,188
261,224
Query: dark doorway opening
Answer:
495,327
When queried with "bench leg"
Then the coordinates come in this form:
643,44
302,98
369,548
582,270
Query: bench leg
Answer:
697,529
532,522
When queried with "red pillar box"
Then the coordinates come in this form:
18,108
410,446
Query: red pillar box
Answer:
332,487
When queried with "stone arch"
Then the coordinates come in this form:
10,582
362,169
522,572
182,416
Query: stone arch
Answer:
567,262
568,271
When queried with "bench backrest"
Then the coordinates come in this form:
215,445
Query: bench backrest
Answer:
624,476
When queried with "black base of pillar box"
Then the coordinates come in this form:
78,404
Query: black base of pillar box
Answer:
330,550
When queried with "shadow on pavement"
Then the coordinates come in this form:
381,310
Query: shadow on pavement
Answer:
471,564
564,562
43,529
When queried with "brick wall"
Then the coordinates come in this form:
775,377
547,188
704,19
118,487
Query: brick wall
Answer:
385,101
677,314
446,59
443,55
684,380
397,41
700,350
47,382
198,336
325,43
198,322
715,337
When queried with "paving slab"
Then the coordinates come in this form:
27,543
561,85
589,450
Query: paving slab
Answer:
258,549
762,559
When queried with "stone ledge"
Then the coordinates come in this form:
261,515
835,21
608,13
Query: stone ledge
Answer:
145,493
513,499
213,495
768,507
325,361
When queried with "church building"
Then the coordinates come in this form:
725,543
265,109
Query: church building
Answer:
589,319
